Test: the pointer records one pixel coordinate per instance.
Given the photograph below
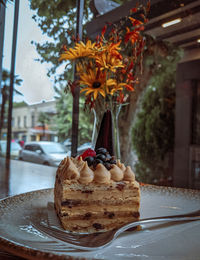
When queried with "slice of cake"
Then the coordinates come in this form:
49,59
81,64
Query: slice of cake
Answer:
95,194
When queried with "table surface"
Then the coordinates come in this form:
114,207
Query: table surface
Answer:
18,177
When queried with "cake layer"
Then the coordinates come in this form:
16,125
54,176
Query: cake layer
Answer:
74,203
120,190
99,214
93,225
98,195
99,218
120,185
82,210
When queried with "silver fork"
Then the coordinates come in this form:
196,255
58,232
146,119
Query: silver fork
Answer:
100,240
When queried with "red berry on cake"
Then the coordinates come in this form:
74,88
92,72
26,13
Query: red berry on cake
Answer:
87,153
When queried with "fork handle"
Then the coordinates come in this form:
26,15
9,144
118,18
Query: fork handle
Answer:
183,217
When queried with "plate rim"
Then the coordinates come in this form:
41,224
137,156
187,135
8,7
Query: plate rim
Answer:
30,253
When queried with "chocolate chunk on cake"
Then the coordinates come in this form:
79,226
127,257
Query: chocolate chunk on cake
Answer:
97,194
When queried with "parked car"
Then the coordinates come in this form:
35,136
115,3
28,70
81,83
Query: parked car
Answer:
67,143
15,149
43,152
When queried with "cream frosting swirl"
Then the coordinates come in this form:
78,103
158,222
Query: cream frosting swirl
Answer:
121,165
101,174
116,173
68,170
78,162
76,169
86,174
129,174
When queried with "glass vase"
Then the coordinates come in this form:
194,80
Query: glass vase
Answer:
106,130
116,140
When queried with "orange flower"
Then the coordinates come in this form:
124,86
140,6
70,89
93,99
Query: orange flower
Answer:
129,87
130,77
103,30
130,67
133,10
120,98
113,49
131,35
135,22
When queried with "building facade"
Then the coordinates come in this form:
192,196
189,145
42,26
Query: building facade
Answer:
33,122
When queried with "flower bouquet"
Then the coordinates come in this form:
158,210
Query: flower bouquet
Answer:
105,70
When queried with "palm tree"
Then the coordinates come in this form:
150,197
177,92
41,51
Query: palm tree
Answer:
5,94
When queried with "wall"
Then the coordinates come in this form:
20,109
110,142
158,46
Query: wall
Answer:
188,77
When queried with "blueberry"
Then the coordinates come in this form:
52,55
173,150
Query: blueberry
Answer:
89,160
108,157
101,150
101,156
97,161
107,165
112,161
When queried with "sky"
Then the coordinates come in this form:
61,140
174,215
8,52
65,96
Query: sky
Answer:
36,85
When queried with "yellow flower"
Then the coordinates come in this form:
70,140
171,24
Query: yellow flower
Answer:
80,50
84,66
80,67
95,82
117,87
109,62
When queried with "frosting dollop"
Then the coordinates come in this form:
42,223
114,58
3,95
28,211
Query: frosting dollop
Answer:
101,174
121,165
78,162
129,174
86,174
76,169
116,173
68,170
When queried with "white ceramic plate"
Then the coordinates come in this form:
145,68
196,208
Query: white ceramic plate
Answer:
158,241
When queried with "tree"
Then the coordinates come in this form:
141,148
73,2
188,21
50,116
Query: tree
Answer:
5,94
57,19
44,119
64,118
153,132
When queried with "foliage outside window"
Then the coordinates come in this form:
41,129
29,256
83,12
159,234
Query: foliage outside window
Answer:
153,131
